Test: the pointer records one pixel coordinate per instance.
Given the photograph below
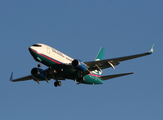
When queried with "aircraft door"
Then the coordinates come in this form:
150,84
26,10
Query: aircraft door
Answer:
48,50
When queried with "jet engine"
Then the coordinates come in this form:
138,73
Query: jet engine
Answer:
38,74
79,65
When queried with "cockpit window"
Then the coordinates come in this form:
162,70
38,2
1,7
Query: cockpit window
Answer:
36,45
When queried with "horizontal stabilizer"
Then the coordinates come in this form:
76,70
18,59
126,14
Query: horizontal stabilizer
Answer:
114,76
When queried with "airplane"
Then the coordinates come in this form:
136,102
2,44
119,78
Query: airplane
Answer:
62,67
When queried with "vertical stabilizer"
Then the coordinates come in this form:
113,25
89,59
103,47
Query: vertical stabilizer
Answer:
100,54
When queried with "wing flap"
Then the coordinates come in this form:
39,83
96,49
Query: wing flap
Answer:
114,76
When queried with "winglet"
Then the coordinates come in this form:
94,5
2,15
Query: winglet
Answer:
152,49
11,76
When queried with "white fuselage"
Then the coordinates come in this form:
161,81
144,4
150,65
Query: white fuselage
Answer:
53,53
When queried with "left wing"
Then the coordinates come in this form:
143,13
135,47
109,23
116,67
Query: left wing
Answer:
102,64
29,77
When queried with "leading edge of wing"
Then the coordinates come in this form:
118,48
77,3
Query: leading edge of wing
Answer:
119,59
114,76
29,77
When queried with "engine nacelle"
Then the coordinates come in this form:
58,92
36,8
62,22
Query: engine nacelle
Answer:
79,65
38,74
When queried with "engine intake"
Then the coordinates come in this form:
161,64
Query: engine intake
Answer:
38,74
79,65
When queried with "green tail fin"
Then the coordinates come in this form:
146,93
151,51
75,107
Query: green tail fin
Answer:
100,54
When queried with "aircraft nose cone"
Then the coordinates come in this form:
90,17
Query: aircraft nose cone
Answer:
30,49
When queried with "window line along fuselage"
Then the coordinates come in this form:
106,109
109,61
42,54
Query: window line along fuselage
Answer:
58,60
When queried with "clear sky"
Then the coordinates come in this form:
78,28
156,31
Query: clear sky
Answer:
79,28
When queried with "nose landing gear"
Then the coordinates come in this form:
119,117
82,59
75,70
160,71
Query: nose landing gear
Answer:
39,65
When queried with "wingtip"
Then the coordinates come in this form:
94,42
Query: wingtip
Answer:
130,73
152,49
11,76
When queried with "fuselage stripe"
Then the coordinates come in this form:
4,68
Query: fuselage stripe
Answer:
46,57
94,75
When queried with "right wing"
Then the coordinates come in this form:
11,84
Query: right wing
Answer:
102,64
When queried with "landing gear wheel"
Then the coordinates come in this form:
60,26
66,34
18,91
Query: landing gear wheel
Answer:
39,65
57,83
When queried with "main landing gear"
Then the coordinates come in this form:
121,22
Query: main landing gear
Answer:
57,83
55,77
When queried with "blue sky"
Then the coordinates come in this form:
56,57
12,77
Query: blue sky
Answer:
79,29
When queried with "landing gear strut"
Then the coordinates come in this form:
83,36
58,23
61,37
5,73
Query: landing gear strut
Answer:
57,83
